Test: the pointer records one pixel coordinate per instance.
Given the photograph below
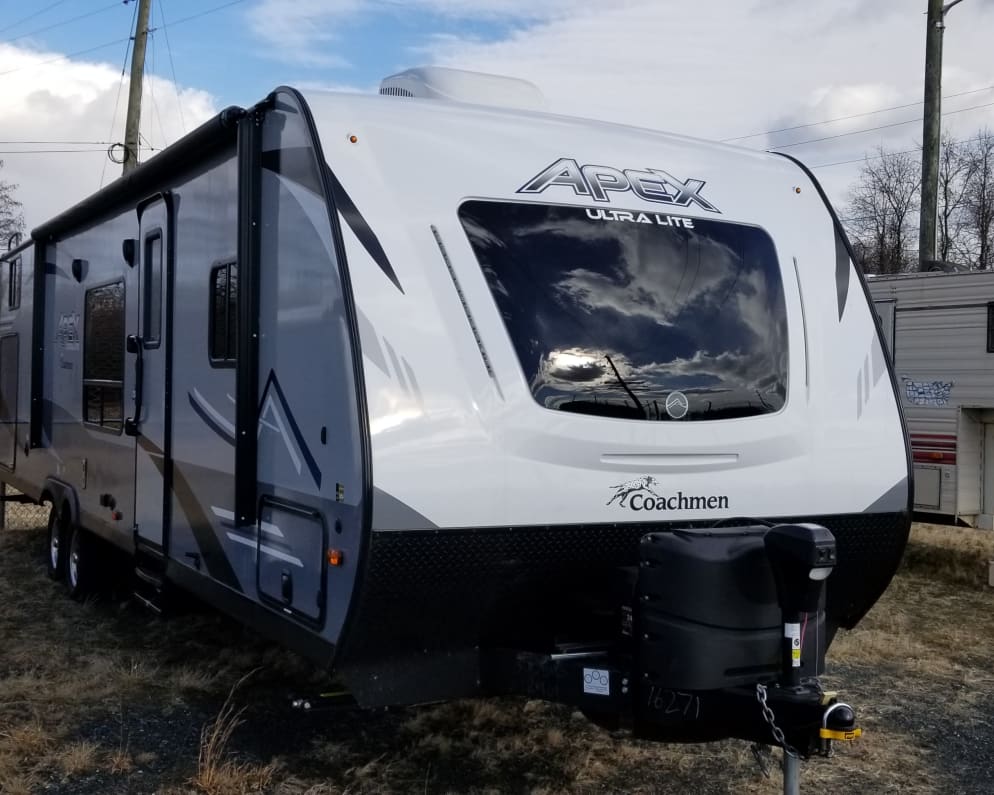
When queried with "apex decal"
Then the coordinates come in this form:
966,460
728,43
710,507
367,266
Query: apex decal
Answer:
596,182
639,495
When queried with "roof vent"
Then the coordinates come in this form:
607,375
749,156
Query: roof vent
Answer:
458,85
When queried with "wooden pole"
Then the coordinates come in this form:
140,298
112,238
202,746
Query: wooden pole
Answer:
131,137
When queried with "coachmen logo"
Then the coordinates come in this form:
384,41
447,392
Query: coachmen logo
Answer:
595,182
639,495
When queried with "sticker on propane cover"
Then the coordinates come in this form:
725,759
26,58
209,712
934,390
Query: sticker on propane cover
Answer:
793,631
597,681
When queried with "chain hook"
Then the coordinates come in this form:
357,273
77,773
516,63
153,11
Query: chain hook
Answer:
770,719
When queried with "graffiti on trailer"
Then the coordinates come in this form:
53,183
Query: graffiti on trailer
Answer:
927,393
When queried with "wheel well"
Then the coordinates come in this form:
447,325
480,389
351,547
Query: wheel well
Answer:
62,496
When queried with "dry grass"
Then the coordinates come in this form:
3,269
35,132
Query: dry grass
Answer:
955,555
77,680
218,771
18,784
77,758
28,740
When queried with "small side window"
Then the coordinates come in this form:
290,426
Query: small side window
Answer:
14,284
223,324
990,327
152,305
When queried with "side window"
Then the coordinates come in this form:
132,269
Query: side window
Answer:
223,323
14,284
103,356
152,274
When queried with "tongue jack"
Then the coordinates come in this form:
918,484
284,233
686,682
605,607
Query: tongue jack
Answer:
801,557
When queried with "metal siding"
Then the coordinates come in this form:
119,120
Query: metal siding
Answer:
969,464
205,231
941,335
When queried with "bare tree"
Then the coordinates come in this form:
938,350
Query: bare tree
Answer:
880,211
11,219
979,199
955,173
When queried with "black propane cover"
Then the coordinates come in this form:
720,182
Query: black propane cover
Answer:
708,616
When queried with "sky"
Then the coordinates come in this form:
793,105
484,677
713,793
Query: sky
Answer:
715,69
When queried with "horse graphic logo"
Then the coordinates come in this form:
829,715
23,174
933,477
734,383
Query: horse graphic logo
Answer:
625,490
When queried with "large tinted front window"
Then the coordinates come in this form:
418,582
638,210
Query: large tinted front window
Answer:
636,315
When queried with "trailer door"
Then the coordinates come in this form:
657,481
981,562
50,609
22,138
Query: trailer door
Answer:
148,344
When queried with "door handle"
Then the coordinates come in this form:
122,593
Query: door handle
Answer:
135,345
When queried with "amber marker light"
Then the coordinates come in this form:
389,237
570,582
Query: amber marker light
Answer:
335,557
353,139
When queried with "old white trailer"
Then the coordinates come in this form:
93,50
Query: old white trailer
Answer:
939,329
459,399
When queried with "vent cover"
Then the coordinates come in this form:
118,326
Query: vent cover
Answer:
458,85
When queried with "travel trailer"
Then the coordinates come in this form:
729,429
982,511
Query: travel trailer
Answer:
457,397
939,330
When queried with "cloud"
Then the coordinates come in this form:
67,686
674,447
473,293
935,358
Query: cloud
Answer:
305,32
713,69
726,68
52,101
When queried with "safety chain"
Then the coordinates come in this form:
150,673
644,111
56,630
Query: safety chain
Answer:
770,718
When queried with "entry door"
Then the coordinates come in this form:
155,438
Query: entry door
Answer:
148,347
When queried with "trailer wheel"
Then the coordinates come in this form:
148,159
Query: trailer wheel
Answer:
80,565
58,547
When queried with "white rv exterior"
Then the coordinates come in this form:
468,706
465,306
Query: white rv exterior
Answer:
939,328
397,380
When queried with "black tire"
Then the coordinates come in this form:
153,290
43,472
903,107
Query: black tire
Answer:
81,565
58,545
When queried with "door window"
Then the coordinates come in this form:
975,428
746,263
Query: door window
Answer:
152,308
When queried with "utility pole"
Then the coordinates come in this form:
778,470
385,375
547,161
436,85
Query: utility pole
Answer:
931,132
131,141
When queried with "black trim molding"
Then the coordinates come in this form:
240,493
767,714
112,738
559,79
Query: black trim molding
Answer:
247,364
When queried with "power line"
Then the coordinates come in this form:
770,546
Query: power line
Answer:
192,17
172,66
118,41
156,113
29,17
53,151
852,116
878,127
65,57
866,157
62,23
55,143
951,145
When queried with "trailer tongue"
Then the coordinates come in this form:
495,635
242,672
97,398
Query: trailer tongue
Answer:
717,633
720,633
